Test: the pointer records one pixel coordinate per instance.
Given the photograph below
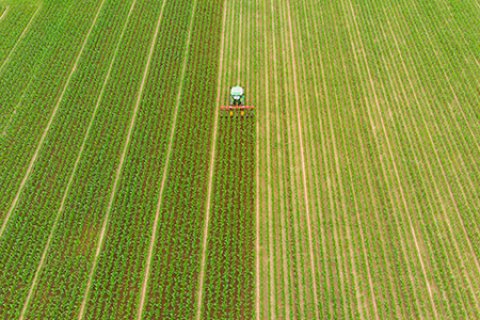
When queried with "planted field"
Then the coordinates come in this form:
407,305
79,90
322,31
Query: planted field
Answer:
351,191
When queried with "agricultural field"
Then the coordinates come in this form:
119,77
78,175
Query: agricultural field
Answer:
351,191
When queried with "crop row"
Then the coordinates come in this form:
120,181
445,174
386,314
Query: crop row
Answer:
48,49
177,254
121,268
37,211
371,94
12,25
71,195
431,136
93,190
229,275
228,288
380,178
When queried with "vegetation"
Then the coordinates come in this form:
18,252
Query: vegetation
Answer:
352,190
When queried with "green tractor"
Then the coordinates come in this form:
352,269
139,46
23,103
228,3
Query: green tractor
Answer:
237,96
237,101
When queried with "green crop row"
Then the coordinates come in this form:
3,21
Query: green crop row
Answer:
31,85
121,269
35,214
12,25
93,185
229,275
62,207
177,253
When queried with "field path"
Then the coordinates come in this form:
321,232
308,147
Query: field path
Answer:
165,171
22,35
198,314
120,165
74,170
52,117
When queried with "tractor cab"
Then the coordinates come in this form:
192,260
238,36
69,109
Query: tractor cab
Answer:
237,96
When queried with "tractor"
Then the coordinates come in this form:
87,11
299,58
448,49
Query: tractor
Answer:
237,101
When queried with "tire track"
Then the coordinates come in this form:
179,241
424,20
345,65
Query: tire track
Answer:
52,117
121,163
74,170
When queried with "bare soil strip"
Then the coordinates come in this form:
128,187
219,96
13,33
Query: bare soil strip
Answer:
121,163
74,171
165,171
210,177
52,117
19,40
